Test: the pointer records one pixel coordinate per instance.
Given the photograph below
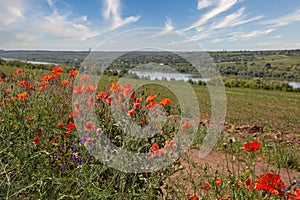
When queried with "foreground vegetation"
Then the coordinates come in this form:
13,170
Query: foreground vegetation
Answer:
43,156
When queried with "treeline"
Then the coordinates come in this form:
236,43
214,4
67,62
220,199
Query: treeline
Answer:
254,83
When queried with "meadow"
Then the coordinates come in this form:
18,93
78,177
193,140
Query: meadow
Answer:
45,152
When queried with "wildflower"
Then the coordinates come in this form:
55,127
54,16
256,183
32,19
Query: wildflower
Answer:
79,89
137,105
91,88
1,79
102,95
270,183
73,73
84,78
165,101
154,147
89,126
61,125
88,141
56,70
23,95
90,101
170,144
151,105
57,155
218,181
36,140
185,125
113,86
54,140
65,83
74,159
130,112
192,197
251,146
205,187
138,100
239,184
73,148
63,168
70,126
98,131
295,196
19,71
151,98
109,99
30,118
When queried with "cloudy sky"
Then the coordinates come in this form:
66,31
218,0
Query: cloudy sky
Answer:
214,24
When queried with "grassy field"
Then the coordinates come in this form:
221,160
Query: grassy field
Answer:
274,110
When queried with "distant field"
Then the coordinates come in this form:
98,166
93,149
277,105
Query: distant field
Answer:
274,110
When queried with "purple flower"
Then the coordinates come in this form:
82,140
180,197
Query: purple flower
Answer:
63,168
80,161
74,159
90,156
73,148
61,145
57,155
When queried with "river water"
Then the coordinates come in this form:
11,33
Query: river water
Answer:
153,75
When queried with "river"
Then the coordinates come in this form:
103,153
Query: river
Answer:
181,77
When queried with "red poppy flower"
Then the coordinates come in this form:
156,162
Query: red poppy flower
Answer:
165,101
65,83
73,73
192,197
155,147
113,86
84,78
79,89
186,125
61,125
138,100
130,112
70,126
36,140
251,146
23,95
30,118
151,98
218,181
91,88
151,105
89,126
20,71
109,99
205,187
57,69
270,183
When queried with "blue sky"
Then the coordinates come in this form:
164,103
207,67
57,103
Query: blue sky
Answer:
214,24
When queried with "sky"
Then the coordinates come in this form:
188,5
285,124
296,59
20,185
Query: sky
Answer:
215,25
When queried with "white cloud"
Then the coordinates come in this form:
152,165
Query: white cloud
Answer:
11,11
60,26
206,3
220,7
234,19
112,14
257,33
284,20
